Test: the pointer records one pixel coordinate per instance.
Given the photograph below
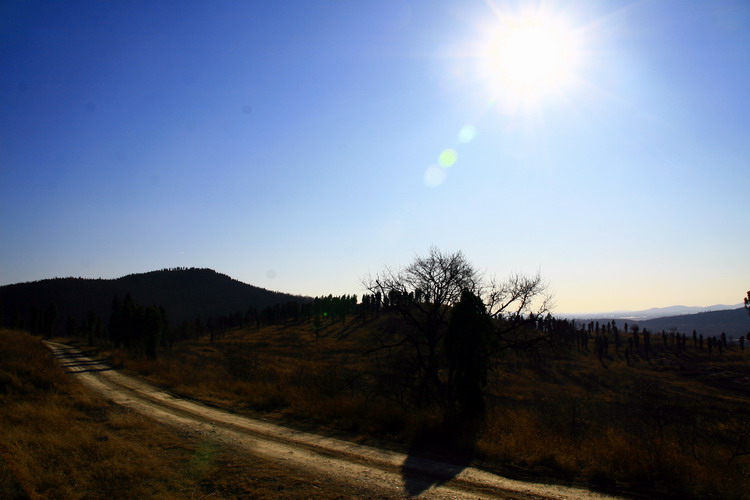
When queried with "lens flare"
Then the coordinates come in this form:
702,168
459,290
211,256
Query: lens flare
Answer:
467,134
434,176
448,157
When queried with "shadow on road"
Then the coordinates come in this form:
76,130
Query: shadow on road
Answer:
93,362
73,370
76,362
432,461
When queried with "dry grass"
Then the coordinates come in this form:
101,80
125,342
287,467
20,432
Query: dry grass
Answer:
664,426
59,441
644,428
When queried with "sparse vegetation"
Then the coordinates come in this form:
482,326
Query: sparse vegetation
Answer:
59,441
672,424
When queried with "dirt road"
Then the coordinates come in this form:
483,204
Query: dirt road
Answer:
379,473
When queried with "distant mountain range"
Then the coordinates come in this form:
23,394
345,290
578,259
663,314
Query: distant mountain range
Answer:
654,312
733,322
709,321
184,293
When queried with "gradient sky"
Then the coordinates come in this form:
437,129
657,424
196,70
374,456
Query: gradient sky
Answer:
296,145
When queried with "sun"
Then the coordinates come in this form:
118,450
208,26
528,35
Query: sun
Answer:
533,56
526,58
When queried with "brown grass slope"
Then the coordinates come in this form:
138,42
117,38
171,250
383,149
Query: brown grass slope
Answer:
58,441
671,423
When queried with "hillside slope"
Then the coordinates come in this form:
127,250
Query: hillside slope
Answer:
733,322
184,294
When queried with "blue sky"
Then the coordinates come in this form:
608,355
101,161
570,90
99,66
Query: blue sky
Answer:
296,145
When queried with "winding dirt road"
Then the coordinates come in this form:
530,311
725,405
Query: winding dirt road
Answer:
378,472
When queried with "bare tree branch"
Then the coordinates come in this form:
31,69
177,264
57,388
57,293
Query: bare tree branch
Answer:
425,291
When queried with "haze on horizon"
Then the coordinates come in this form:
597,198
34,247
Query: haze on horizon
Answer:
300,146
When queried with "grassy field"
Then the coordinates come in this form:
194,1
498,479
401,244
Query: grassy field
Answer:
58,441
674,425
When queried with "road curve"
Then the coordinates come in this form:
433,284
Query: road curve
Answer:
385,473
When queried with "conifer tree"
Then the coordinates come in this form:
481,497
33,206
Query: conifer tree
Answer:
48,321
467,348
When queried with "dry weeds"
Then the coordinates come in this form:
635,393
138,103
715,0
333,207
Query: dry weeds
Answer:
654,427
59,441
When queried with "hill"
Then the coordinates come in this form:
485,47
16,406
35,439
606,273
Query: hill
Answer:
184,293
734,322
652,313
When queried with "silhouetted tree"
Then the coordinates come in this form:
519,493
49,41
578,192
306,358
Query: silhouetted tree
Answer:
35,321
16,321
142,330
646,342
439,279
316,324
48,321
618,342
198,327
154,326
70,327
92,327
128,319
116,322
467,349
599,345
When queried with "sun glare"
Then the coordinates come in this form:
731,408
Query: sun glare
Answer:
528,57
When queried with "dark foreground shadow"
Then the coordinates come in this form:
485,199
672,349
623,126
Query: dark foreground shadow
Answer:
434,459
